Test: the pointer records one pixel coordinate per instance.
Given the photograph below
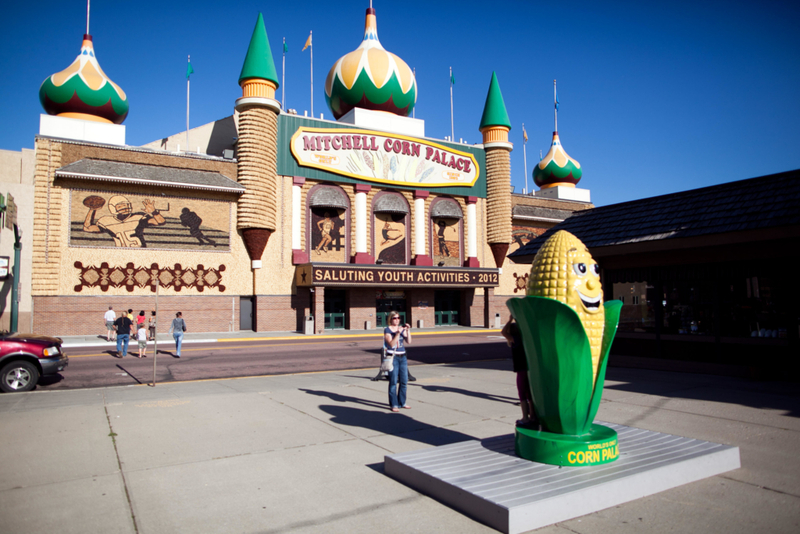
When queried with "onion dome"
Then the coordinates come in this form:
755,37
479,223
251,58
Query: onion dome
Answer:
83,91
557,168
371,78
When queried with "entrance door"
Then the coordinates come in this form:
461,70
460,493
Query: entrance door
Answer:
334,309
447,305
384,306
245,313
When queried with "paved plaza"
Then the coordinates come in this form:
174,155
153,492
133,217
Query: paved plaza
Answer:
305,453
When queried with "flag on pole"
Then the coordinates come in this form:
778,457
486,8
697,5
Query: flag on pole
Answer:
285,46
189,69
524,134
308,43
556,100
452,77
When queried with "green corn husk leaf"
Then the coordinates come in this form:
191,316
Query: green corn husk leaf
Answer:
560,361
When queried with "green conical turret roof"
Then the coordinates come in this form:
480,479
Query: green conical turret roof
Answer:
494,111
258,63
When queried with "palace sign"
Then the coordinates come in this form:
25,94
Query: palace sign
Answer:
353,275
383,158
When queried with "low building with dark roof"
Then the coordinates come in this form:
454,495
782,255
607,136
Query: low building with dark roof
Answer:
707,274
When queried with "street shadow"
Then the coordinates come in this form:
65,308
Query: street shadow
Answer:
385,422
759,395
49,380
129,374
475,394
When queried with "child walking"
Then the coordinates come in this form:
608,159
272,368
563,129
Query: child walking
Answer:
141,337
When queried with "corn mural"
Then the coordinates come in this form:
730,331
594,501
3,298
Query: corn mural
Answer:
567,332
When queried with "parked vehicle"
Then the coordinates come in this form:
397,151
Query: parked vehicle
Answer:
26,357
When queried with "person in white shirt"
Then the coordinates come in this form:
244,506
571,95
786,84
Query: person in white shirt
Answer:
110,317
141,337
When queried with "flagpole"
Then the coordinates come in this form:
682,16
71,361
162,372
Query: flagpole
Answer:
414,109
189,61
283,77
311,45
452,130
88,5
525,155
555,104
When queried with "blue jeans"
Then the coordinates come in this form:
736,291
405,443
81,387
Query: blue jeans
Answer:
399,370
122,343
178,341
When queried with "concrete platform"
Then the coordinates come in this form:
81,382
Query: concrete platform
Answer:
486,481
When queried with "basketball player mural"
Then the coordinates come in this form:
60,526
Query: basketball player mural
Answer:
123,224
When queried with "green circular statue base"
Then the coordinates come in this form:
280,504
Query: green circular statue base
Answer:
598,446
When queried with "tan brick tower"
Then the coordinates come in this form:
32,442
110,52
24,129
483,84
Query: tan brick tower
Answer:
495,127
258,145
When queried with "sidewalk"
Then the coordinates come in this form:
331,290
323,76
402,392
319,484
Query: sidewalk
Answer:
304,453
248,335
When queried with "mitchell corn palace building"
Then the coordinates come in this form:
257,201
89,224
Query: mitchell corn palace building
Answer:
286,222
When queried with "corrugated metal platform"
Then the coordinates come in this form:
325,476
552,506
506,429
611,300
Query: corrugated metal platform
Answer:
486,481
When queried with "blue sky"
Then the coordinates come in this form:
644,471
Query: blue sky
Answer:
655,97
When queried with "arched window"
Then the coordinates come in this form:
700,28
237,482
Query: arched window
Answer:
447,232
328,225
390,228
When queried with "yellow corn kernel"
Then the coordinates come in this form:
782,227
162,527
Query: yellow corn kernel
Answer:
563,270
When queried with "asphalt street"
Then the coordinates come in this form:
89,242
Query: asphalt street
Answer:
95,363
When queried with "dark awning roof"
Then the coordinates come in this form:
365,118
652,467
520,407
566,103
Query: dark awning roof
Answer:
134,173
447,209
758,204
390,203
328,197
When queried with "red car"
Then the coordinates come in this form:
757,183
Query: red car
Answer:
26,357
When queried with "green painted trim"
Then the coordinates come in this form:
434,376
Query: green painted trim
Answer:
365,94
258,62
287,165
598,446
552,173
76,96
494,111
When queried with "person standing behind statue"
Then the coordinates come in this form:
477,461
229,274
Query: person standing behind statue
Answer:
394,339
110,317
123,325
177,329
514,339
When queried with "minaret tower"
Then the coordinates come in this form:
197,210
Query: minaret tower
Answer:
495,127
258,145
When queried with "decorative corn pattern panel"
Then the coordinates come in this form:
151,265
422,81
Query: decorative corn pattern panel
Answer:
258,170
498,189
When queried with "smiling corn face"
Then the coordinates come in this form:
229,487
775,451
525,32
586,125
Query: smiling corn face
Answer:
564,270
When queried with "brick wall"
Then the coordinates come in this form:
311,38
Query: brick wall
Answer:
281,313
426,314
361,308
71,316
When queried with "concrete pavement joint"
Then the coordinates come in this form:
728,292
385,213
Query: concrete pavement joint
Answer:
113,435
758,486
343,515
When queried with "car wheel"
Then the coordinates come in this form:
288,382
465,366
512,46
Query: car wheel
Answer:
18,376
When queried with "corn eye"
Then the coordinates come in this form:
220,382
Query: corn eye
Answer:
596,269
579,268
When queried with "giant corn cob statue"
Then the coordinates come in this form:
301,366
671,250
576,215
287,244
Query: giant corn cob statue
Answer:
567,333
564,270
